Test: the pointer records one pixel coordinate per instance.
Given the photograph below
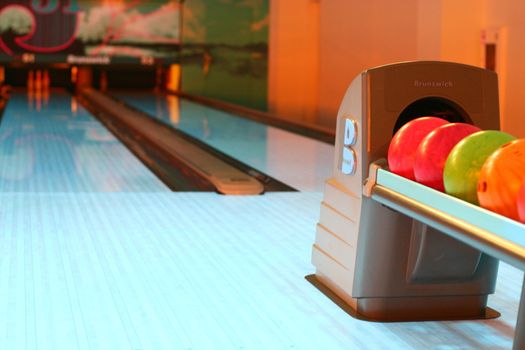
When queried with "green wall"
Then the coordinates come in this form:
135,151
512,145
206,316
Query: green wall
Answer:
225,50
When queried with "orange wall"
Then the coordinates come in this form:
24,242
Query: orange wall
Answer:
309,73
462,23
428,19
507,17
356,35
293,64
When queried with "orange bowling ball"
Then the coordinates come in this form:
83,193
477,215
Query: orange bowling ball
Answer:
501,177
521,202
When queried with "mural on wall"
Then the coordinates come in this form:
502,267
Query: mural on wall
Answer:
225,50
90,31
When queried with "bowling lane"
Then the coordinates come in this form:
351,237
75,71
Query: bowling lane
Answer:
298,161
192,271
49,143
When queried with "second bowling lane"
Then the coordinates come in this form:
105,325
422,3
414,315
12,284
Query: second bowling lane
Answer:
52,144
296,160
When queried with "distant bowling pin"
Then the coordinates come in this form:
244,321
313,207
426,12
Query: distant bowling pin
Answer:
38,80
30,80
45,80
45,86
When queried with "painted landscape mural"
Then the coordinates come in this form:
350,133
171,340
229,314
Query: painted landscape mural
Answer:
90,31
223,55
225,51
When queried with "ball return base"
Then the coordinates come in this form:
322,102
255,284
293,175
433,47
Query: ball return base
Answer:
405,309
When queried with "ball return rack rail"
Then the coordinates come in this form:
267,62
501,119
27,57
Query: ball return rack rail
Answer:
493,234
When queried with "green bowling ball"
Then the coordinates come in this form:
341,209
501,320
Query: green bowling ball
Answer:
461,172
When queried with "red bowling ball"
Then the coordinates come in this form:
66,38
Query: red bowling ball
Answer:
402,149
433,151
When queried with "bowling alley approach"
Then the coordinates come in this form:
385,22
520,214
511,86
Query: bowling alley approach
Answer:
262,174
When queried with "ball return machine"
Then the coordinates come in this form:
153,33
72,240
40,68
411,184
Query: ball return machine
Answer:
391,249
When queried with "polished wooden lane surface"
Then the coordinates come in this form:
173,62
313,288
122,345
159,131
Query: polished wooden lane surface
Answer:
57,146
191,271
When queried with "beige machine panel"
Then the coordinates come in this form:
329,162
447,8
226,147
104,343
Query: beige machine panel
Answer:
372,256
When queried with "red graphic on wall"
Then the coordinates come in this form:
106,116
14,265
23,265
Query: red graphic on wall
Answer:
90,32
53,28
